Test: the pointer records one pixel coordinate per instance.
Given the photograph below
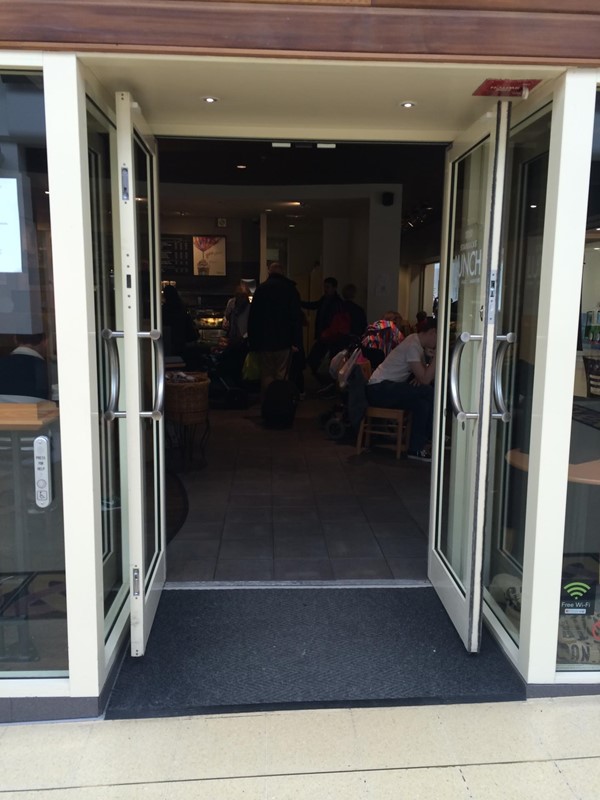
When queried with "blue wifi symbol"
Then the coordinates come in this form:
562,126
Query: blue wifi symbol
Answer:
576,589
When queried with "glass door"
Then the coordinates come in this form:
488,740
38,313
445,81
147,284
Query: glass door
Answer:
143,368
516,336
464,387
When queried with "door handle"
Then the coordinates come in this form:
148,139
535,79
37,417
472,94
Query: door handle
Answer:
114,367
459,412
504,342
156,338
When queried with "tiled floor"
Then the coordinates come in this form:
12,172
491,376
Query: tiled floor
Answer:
537,749
293,505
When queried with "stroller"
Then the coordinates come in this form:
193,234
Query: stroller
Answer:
351,371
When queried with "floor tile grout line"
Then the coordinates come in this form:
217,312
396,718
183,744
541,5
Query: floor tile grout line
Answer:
308,773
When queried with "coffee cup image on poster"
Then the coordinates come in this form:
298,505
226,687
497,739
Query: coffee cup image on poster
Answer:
209,255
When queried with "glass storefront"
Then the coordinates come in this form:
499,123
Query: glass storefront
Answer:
579,621
33,612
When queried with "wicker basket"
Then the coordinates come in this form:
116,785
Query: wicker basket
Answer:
186,402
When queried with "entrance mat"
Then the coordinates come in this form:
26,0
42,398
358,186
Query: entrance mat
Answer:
264,649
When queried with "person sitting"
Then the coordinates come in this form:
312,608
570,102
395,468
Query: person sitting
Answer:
24,373
404,380
421,321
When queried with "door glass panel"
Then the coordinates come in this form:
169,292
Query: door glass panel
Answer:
151,449
33,618
517,312
108,316
463,304
579,621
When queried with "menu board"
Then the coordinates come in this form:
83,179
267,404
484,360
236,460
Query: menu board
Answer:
176,255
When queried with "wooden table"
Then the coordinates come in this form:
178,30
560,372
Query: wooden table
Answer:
583,474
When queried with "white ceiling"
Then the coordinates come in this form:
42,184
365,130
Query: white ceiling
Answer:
295,99
304,99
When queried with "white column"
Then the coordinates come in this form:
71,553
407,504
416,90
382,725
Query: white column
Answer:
560,286
384,252
75,333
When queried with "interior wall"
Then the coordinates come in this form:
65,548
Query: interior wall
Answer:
359,249
384,252
242,253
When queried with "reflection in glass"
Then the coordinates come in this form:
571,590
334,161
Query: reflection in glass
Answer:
517,312
108,316
147,264
579,621
33,620
463,303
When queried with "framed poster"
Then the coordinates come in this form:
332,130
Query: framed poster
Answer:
209,255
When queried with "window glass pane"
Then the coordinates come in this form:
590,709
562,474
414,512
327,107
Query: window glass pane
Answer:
33,620
101,146
517,314
579,623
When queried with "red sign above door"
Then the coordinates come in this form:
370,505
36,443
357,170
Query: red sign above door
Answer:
504,87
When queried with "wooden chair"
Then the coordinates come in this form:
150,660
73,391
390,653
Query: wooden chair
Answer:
592,375
388,423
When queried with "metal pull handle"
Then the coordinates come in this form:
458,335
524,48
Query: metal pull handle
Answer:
459,412
110,337
155,337
504,342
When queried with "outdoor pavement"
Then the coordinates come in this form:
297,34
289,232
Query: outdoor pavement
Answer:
546,749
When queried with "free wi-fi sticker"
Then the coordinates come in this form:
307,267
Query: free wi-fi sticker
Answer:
578,597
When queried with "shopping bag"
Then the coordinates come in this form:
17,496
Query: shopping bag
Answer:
251,368
347,368
337,362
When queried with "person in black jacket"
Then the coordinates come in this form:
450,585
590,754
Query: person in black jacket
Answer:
275,325
326,307
24,373
358,318
178,325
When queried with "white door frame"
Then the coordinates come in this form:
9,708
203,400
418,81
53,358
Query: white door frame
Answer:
573,114
560,289
146,579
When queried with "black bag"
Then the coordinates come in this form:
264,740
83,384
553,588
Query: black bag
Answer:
222,394
279,404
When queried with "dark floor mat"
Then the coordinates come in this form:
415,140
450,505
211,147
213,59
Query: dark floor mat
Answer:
219,650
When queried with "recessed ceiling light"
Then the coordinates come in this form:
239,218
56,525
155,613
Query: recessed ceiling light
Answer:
210,99
241,166
533,205
291,226
295,203
408,104
268,209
